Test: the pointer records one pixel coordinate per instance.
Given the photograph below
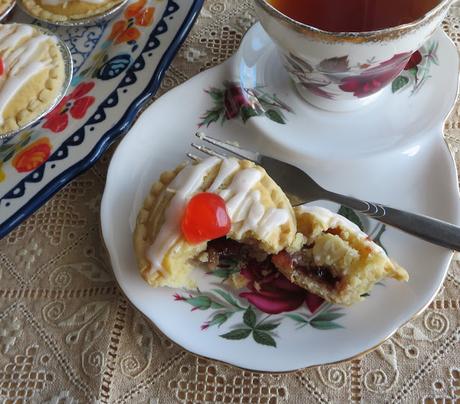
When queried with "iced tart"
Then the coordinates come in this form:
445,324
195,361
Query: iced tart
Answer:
332,258
198,210
31,74
68,10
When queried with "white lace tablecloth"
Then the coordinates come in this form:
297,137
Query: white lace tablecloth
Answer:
67,334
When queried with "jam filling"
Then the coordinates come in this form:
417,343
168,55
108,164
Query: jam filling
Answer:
322,274
224,249
300,262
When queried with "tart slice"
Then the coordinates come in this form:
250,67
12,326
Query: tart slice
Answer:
214,199
332,258
31,74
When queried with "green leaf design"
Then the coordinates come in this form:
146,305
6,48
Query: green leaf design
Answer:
210,117
240,333
275,116
267,326
247,112
334,65
324,325
298,63
263,338
249,317
8,156
84,72
351,215
219,319
200,302
328,316
297,317
228,298
216,94
398,83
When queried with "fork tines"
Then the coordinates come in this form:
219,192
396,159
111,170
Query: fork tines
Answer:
238,151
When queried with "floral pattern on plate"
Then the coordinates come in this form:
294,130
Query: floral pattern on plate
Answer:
117,67
268,298
234,101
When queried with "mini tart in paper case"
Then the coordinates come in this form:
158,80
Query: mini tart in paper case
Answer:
68,10
260,213
331,257
33,74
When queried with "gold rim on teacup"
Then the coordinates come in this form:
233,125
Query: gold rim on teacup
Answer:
68,71
355,37
92,20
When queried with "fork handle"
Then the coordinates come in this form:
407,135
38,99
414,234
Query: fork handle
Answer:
433,230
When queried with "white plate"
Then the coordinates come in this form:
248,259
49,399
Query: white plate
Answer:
391,152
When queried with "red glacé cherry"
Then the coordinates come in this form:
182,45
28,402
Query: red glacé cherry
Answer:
205,218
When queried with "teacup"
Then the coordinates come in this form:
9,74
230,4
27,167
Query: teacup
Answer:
342,71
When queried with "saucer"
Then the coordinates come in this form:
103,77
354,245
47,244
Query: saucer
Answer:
414,106
411,173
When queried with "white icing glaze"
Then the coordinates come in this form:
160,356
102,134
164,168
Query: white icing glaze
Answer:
64,3
243,204
19,47
331,220
186,183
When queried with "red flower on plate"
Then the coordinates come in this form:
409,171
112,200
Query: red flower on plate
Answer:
235,97
273,293
414,60
76,104
32,156
372,80
135,14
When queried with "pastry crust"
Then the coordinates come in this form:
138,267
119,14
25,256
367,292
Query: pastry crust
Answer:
71,10
175,265
332,258
38,88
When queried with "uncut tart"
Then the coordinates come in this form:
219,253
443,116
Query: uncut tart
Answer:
68,10
31,74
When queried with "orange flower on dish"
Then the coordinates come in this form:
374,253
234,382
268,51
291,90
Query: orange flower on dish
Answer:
32,156
135,14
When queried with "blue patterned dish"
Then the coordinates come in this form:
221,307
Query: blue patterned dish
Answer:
118,66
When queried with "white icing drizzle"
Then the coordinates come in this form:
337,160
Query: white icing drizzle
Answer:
331,220
64,3
243,204
186,183
19,48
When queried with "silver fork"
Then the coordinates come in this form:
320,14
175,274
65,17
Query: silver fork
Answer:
296,182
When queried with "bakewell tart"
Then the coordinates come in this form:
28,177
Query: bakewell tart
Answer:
332,258
203,210
31,74
61,11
